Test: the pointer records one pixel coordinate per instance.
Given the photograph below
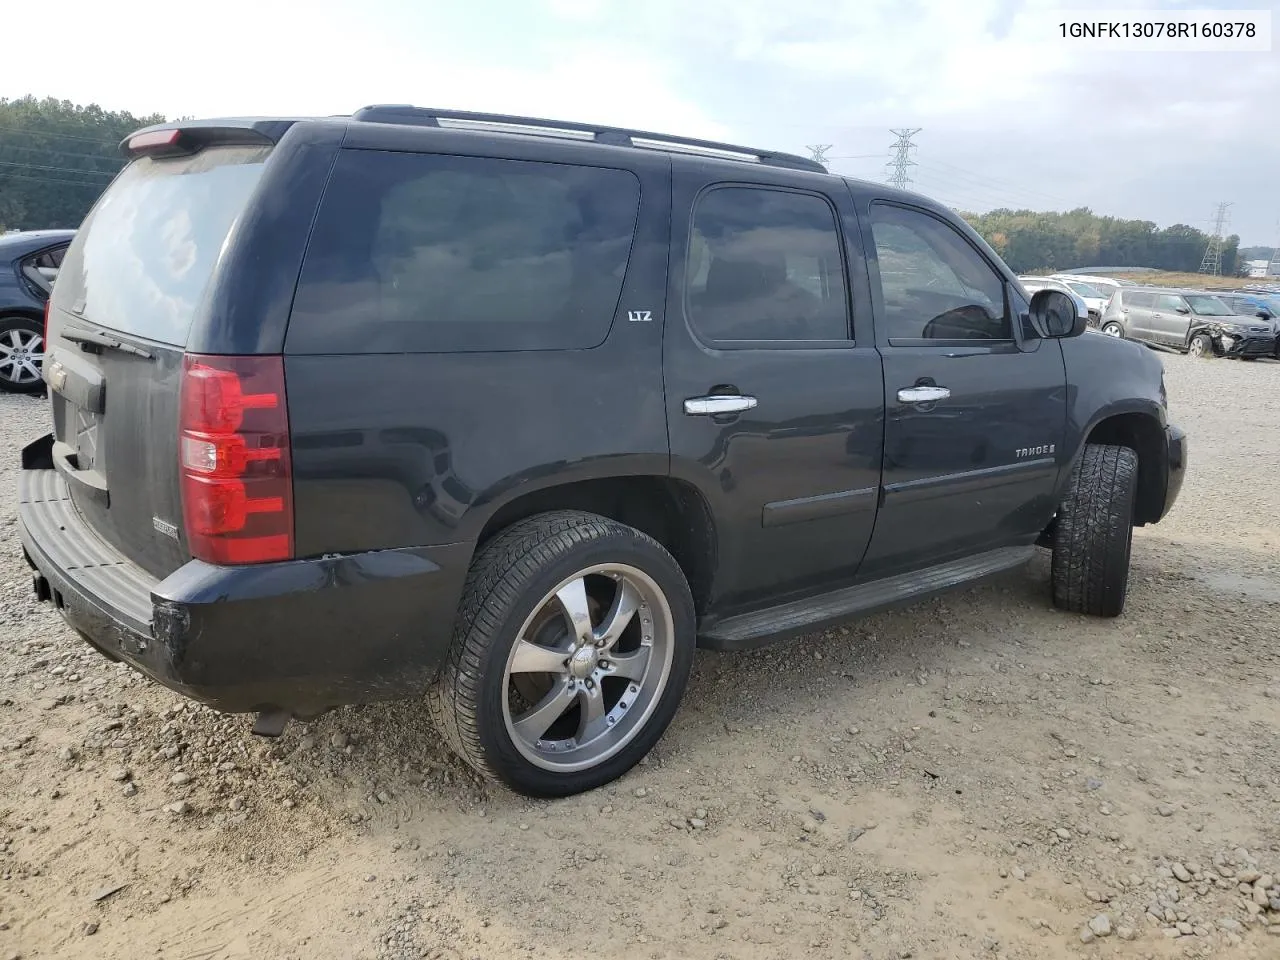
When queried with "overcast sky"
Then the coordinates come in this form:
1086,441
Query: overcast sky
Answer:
1009,116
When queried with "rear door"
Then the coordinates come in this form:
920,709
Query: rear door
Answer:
127,292
975,408
1135,311
774,400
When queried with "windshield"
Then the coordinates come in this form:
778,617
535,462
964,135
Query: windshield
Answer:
1087,291
1209,306
143,257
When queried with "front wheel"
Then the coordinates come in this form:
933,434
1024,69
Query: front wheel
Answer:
21,355
574,643
1201,346
1093,535
1113,329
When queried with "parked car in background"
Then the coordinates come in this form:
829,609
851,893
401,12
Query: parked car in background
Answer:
1036,284
29,263
1265,307
1094,298
1106,286
1191,321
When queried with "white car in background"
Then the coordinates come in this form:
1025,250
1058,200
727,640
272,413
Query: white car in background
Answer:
1035,284
1095,298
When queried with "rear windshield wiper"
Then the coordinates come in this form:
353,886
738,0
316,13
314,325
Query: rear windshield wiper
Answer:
101,340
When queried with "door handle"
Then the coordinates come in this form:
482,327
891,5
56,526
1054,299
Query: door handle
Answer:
718,403
923,394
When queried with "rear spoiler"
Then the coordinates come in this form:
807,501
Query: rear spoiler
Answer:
190,136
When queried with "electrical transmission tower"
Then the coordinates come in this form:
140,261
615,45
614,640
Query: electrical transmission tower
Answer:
1273,265
900,157
1212,261
818,152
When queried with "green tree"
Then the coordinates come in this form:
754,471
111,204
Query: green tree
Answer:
56,158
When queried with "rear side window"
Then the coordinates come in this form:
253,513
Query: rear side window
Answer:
422,253
142,259
1141,300
765,265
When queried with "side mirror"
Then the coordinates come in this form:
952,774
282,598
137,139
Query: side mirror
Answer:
1055,315
1184,310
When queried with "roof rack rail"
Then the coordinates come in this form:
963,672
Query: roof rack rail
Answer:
614,136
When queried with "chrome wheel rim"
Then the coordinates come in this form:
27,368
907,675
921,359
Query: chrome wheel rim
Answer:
21,356
588,668
1197,347
1111,330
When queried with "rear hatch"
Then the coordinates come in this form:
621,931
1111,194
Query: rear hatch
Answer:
130,286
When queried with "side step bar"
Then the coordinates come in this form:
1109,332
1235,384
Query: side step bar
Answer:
750,630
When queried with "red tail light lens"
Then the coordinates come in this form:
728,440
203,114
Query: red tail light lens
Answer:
44,337
237,478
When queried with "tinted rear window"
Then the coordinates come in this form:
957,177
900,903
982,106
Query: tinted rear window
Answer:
143,257
428,253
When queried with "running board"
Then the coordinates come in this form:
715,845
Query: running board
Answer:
750,630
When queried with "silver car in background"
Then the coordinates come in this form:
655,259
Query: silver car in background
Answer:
1191,321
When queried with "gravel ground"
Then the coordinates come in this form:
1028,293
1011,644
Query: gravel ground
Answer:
977,776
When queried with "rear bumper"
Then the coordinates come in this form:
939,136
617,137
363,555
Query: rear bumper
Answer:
300,636
1176,443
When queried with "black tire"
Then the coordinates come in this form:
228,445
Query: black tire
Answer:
508,582
16,377
1093,535
1201,346
1113,326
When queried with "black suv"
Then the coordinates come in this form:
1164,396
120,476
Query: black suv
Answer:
513,414
29,263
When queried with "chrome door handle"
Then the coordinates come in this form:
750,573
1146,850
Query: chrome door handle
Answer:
723,403
922,394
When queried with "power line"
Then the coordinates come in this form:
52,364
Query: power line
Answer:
27,131
993,181
1212,260
900,157
42,166
79,183
108,158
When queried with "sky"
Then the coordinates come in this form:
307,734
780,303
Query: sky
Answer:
1009,115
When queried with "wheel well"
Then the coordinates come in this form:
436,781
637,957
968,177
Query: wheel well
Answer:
671,512
1145,437
20,313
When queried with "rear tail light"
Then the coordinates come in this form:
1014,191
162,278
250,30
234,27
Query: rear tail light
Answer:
237,478
44,336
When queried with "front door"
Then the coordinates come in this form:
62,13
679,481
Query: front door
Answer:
1170,320
975,404
773,381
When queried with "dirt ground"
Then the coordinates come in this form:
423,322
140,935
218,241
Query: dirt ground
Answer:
976,776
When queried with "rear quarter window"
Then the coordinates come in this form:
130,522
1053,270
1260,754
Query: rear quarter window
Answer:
424,253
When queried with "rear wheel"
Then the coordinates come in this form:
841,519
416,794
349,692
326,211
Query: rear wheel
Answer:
1093,535
21,355
574,643
1201,346
1113,329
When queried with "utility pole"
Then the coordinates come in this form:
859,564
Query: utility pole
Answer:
900,157
1212,260
818,152
1273,266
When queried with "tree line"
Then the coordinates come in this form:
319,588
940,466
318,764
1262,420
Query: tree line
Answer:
56,158
1028,241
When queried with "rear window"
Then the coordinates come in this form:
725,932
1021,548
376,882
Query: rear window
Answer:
427,253
143,257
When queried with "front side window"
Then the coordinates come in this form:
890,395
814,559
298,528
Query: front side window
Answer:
1169,302
430,253
934,284
765,265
